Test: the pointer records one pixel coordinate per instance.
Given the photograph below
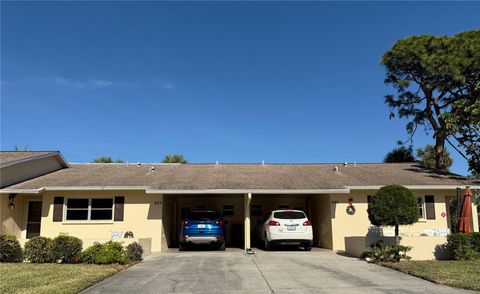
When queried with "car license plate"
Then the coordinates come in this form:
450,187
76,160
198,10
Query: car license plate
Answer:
201,226
291,228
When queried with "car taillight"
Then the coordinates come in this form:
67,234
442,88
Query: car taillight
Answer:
184,222
307,223
273,223
220,222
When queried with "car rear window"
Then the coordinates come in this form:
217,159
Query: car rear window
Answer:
203,215
289,215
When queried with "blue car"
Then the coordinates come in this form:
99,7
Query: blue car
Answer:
202,227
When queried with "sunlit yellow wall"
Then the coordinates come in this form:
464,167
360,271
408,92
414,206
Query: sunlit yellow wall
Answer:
14,221
344,225
142,216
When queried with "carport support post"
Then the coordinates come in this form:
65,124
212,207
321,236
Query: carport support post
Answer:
248,199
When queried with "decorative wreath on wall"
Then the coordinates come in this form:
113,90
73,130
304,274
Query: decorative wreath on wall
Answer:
351,210
350,207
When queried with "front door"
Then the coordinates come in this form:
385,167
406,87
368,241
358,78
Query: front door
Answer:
34,217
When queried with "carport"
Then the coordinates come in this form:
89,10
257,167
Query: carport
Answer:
244,213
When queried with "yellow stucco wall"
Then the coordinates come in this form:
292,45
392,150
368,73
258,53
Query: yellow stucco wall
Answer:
142,216
14,221
344,225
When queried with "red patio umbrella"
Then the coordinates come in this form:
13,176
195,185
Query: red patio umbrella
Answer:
466,216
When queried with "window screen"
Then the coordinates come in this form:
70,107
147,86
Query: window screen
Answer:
420,207
77,209
228,210
90,209
256,210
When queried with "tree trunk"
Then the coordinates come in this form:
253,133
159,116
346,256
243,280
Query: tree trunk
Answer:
440,152
397,238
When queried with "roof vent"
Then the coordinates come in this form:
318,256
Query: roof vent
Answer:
335,169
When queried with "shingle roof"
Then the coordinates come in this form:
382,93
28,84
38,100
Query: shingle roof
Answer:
12,156
242,176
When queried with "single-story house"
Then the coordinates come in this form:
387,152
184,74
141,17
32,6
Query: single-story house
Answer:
42,194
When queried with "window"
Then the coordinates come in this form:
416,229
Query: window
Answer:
289,215
256,210
228,210
90,209
420,207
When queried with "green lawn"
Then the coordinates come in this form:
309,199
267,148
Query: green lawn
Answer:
51,278
461,274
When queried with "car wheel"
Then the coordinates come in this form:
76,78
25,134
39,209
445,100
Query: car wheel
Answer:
307,247
267,245
222,246
181,247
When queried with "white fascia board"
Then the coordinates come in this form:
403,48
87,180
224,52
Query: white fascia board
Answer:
22,191
252,191
92,188
416,187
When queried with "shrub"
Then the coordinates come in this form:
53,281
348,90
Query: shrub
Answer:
383,253
10,250
464,246
67,249
134,251
381,212
39,250
107,253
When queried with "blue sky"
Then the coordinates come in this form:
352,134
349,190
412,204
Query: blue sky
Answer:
226,81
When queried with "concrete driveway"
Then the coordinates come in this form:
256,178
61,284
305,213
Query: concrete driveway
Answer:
319,271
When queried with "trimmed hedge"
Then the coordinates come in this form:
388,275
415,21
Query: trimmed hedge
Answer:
464,246
106,253
10,250
39,250
134,251
66,249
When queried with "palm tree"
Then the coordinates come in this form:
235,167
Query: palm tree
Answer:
426,157
22,148
106,159
174,158
400,154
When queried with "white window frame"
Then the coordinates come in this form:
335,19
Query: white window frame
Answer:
89,210
422,215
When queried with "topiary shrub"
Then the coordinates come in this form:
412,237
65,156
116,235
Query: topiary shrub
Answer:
464,246
10,250
393,205
134,251
107,253
383,253
66,249
39,250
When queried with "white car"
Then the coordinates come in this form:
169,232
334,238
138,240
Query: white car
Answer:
287,227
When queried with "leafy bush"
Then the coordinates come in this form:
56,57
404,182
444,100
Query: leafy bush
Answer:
381,212
10,250
67,249
39,250
106,253
383,253
134,251
464,246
